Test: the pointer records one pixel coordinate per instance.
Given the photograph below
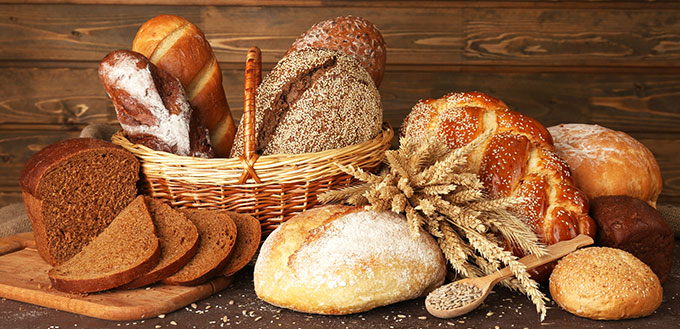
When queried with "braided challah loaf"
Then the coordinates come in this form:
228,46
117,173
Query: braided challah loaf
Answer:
518,159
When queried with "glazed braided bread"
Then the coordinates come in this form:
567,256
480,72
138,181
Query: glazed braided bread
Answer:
518,159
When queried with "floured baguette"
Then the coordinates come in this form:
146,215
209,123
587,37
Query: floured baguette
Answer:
217,233
125,250
179,241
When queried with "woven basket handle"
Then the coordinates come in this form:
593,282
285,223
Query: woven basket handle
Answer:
253,78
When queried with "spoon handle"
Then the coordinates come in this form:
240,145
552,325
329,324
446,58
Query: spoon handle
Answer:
554,252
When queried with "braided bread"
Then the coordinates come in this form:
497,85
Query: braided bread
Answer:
518,160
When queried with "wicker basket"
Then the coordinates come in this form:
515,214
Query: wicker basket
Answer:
272,188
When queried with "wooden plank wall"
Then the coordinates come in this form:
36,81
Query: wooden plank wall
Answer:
616,64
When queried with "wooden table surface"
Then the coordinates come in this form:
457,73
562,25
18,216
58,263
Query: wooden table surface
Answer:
238,307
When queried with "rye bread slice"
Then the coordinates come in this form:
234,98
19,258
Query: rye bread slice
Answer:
247,242
179,241
217,233
125,250
72,190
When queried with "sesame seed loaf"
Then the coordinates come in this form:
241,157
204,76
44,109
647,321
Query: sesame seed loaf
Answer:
126,249
63,194
351,35
217,235
605,284
314,100
247,242
179,242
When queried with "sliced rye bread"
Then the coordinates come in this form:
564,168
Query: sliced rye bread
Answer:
179,241
125,250
217,233
72,190
247,242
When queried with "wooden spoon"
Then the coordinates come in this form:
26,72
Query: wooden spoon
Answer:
485,283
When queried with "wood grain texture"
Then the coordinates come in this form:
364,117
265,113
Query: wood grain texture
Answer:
32,285
628,102
414,35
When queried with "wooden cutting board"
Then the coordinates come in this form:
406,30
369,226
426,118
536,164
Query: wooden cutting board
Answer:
23,277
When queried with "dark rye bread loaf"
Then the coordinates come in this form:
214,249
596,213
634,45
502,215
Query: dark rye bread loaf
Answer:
72,190
217,233
247,242
631,224
179,241
126,249
313,100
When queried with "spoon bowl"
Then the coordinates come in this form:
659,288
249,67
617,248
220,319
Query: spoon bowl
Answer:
436,301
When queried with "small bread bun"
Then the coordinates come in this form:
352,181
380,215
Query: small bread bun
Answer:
605,284
607,162
340,260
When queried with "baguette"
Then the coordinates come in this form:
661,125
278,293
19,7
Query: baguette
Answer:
179,47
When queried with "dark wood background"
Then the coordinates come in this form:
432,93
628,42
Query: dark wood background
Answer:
616,64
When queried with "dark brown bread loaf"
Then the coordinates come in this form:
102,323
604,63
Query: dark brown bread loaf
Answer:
633,225
217,233
351,35
247,242
126,249
179,241
313,100
152,106
72,190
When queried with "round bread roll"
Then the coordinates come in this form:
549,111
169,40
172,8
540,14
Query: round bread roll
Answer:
351,35
313,100
340,260
605,284
607,162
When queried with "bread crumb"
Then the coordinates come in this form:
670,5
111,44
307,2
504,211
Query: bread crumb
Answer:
422,318
162,316
225,318
401,316
173,323
193,305
157,326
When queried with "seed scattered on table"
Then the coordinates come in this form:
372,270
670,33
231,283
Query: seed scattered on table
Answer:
454,295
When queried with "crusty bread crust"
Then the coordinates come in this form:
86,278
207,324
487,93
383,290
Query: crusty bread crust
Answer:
340,260
605,284
247,242
210,258
182,253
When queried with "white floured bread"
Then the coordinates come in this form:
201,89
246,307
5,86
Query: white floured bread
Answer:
607,162
605,284
340,260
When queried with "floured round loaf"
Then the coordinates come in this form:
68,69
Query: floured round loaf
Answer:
340,260
608,162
